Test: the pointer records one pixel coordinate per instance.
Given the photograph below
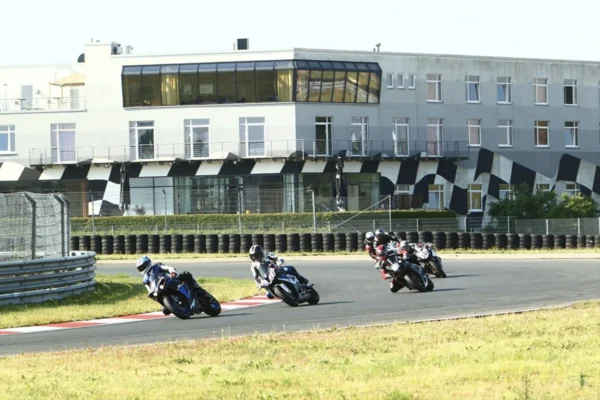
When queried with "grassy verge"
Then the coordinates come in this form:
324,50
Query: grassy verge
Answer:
172,256
541,355
115,295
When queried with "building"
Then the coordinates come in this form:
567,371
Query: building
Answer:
250,130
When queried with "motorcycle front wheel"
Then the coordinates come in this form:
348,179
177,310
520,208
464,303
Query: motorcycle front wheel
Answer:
178,307
286,297
415,282
211,306
439,271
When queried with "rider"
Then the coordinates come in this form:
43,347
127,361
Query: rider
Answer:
409,249
370,245
153,272
258,256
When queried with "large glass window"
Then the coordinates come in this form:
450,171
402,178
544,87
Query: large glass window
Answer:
207,83
252,136
132,86
374,86
363,87
351,86
314,91
266,89
302,85
323,136
188,84
196,136
63,140
285,73
246,83
169,79
339,82
7,138
359,136
327,82
151,86
226,83
141,140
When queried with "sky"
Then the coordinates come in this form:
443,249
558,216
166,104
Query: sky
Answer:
55,31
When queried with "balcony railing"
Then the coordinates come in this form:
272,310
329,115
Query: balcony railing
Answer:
288,149
58,104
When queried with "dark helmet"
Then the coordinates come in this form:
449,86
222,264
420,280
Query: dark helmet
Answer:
143,263
379,234
256,253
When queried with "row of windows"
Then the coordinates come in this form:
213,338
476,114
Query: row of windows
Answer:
251,82
503,89
475,194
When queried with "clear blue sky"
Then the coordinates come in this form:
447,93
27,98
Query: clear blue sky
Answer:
54,31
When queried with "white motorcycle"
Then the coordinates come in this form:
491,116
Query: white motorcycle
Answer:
430,260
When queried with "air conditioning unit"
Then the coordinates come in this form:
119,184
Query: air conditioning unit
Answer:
116,49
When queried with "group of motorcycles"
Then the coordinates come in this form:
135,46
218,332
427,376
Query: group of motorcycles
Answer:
181,301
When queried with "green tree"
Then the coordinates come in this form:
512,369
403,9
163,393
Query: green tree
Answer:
579,206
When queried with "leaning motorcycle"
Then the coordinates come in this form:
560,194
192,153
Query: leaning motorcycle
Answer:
430,260
286,287
415,279
176,296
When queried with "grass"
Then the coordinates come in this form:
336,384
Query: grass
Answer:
175,256
550,354
115,295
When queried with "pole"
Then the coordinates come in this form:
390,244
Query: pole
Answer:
93,212
165,193
547,227
578,226
390,210
314,212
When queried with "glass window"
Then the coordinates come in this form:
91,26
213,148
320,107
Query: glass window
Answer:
339,86
188,84
207,83
400,136
351,83
327,82
363,87
542,187
506,191
400,81
436,196
504,94
302,85
252,136
571,134
196,136
541,134
411,81
7,138
266,90
169,79
285,74
132,86
541,90
389,80
323,136
434,87
226,83
472,86
141,140
570,90
374,87
572,189
506,132
434,136
474,132
359,136
246,84
63,140
475,193
151,86
314,91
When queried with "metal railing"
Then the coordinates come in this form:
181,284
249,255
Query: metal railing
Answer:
292,149
36,281
559,226
59,104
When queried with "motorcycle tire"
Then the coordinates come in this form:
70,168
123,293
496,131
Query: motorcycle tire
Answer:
285,297
396,287
211,306
415,282
439,271
430,285
181,312
314,297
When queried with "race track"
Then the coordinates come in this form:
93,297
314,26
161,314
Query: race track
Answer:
352,293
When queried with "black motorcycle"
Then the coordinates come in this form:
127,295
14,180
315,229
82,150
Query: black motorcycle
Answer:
176,296
286,287
415,279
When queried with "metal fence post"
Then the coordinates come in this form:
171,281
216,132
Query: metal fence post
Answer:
390,210
578,226
33,224
314,209
93,212
547,227
508,225
65,240
239,223
417,224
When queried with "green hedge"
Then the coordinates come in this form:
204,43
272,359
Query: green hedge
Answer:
256,218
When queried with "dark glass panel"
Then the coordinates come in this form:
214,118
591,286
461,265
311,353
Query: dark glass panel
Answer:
188,84
302,85
226,83
132,86
284,64
314,91
339,85
246,84
264,65
151,86
351,82
207,83
363,87
169,85
266,89
374,85
327,87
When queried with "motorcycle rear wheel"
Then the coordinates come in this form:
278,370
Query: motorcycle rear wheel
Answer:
415,282
285,297
172,305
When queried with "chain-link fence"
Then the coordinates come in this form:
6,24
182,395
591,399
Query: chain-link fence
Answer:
33,226
563,226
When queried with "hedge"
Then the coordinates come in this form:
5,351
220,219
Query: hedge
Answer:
256,218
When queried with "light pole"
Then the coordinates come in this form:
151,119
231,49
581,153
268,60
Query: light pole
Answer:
165,193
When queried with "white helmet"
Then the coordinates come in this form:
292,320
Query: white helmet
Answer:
370,236
404,245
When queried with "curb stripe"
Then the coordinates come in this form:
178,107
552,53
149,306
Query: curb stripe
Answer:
59,326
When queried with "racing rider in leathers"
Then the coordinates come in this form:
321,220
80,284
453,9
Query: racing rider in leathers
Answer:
153,272
258,257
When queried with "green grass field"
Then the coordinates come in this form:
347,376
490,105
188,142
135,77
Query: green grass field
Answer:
550,354
115,295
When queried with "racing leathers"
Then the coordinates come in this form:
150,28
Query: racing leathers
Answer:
276,263
156,271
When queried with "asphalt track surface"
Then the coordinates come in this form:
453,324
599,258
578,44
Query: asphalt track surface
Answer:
352,293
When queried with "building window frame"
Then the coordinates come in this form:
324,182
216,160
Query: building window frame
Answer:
389,80
475,197
326,122
572,189
542,187
438,191
540,127
252,148
571,134
400,80
472,89
571,92
196,149
401,128
142,151
411,81
505,190
474,131
540,86
359,144
9,132
433,87
504,86
505,126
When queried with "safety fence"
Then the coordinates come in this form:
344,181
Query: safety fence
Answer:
317,242
36,281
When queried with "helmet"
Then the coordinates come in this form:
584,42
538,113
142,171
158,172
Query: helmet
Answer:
380,233
256,253
143,263
404,245
370,237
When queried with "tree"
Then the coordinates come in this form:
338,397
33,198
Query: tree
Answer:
579,206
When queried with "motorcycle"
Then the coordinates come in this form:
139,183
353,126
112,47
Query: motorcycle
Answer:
430,260
286,287
182,302
415,279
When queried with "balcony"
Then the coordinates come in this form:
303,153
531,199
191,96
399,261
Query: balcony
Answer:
283,149
41,104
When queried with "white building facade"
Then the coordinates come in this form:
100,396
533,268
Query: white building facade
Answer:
250,130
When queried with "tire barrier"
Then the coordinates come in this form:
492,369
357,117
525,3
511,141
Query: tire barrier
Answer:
352,241
328,242
293,242
524,241
488,241
339,241
316,242
305,242
235,243
412,237
280,243
212,243
501,241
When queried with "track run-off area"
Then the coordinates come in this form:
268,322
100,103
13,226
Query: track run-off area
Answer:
352,294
